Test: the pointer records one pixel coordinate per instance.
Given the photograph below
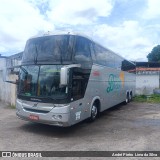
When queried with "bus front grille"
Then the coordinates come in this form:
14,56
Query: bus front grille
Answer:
35,110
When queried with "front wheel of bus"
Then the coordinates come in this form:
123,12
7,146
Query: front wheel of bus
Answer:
94,112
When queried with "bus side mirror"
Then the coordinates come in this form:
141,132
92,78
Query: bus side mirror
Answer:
64,76
65,73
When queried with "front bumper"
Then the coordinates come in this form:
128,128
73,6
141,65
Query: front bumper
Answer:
57,116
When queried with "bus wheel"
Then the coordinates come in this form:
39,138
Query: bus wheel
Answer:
127,99
131,97
94,112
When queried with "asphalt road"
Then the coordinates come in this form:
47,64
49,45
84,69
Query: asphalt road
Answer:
132,127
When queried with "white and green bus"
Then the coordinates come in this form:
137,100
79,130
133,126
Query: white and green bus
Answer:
67,78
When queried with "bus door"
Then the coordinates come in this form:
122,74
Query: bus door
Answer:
77,93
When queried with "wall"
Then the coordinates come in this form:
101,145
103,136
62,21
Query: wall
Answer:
7,90
146,83
2,63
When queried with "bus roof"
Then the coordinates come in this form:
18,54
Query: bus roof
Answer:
78,34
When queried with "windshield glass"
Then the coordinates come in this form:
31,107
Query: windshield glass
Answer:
48,49
41,81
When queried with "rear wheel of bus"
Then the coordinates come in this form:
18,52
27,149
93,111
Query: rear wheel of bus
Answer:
131,97
127,99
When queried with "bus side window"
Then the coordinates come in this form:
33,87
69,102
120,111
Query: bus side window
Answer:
78,84
118,62
82,49
104,56
77,89
110,59
92,52
100,56
128,66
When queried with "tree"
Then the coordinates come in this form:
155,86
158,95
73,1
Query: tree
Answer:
154,56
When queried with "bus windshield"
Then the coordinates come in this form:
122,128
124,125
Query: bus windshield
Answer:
48,49
42,81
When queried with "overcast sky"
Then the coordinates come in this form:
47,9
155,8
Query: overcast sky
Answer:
128,27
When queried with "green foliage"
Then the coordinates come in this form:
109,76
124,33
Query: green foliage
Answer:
141,98
11,106
154,98
154,56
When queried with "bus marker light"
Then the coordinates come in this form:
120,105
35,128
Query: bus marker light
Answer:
96,73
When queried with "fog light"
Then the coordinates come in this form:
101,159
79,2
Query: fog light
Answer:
57,116
54,117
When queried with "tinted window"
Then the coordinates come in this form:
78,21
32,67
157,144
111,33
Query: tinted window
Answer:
29,52
128,66
48,49
78,84
104,56
82,49
110,61
41,81
118,62
28,80
92,52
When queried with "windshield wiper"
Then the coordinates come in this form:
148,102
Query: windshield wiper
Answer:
36,55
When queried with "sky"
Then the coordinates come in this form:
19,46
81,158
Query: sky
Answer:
130,28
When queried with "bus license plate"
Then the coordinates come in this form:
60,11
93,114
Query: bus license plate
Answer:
34,117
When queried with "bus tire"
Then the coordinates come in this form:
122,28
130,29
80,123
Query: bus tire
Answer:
131,97
94,112
127,99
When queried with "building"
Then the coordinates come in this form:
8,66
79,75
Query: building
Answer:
14,60
147,77
2,62
8,90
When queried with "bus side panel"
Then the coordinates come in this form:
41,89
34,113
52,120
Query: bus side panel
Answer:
110,85
79,110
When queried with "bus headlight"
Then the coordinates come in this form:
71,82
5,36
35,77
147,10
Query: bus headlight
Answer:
56,117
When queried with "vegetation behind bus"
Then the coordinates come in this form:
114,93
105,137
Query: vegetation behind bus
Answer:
154,98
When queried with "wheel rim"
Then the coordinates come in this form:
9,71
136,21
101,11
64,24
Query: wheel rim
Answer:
94,112
127,99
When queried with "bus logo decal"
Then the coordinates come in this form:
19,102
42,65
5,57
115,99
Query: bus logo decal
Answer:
35,105
115,82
